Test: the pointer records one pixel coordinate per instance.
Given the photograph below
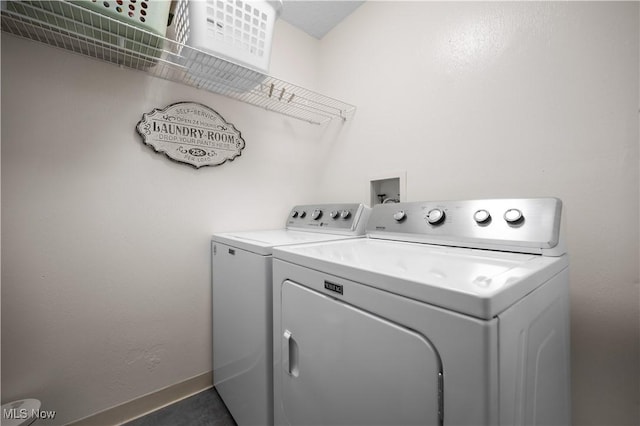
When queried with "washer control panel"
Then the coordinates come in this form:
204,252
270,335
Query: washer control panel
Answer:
331,218
527,225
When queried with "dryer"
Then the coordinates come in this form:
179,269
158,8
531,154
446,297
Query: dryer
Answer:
242,313
448,313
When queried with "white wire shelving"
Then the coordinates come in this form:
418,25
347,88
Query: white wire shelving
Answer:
95,35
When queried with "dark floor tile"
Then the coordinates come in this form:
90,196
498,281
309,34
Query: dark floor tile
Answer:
203,409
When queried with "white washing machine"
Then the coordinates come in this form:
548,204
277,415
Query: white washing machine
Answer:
242,312
449,313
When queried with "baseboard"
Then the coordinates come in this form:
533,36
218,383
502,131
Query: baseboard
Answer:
148,403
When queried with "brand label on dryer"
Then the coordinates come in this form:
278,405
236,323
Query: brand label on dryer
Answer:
336,288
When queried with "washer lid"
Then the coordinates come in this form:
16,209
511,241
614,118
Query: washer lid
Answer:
481,283
262,242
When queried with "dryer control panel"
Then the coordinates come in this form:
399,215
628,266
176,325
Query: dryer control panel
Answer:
528,225
348,218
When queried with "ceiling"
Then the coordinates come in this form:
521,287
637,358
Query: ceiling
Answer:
317,17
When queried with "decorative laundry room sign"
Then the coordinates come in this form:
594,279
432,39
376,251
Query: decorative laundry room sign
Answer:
191,133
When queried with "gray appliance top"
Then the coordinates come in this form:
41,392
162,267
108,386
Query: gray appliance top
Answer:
305,224
525,225
344,218
474,257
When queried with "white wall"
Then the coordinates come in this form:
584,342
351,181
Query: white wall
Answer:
105,243
516,99
105,269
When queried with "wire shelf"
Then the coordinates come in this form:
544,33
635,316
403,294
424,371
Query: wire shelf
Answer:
92,34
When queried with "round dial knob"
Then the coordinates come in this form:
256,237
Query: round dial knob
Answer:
317,214
345,214
435,216
302,214
334,214
294,214
481,216
399,215
513,215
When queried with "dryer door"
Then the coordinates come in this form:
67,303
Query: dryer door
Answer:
345,366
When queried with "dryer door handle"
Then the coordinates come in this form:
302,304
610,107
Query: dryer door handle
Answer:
292,351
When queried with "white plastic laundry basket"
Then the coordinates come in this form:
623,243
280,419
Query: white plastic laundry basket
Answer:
238,30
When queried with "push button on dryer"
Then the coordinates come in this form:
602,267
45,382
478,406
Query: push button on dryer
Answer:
482,216
513,216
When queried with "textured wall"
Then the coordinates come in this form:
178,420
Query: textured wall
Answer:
511,99
105,269
105,243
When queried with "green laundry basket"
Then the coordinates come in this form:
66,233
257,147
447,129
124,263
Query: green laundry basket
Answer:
82,25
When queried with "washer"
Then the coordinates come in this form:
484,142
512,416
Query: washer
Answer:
449,313
242,312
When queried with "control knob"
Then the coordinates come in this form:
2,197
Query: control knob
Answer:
399,216
482,216
294,214
302,214
513,216
334,214
317,214
345,214
435,216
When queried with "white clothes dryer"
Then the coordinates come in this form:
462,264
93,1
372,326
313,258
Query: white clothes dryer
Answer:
449,313
242,312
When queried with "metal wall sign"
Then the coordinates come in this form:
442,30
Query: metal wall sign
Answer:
191,133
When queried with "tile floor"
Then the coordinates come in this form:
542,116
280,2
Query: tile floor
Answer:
203,409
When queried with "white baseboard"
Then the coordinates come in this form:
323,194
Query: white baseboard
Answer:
148,403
